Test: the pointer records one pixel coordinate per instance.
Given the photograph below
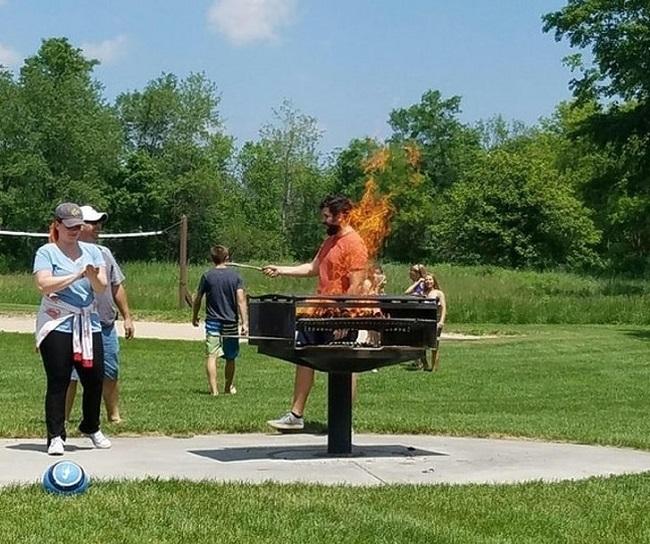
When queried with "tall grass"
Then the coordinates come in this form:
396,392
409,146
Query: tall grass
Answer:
479,294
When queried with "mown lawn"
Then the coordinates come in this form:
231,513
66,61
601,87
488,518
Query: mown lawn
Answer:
576,383
612,510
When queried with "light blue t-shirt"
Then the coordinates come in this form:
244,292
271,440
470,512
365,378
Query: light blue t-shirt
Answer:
80,293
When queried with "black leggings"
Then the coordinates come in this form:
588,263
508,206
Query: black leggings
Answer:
56,352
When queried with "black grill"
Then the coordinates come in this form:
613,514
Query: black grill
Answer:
341,335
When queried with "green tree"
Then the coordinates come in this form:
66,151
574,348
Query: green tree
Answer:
284,181
177,162
448,146
617,79
59,141
515,209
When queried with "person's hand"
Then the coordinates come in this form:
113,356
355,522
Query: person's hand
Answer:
195,321
271,270
90,272
243,330
129,329
340,333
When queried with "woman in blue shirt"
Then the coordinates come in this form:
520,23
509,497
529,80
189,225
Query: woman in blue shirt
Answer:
68,273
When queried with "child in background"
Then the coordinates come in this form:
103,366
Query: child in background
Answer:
432,291
226,317
417,274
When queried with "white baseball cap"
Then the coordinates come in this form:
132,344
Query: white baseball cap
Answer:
92,215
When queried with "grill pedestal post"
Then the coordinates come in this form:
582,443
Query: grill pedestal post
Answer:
339,412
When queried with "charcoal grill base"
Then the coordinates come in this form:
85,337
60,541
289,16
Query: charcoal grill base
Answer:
339,413
339,358
340,362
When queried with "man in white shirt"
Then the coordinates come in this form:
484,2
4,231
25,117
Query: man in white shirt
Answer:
114,296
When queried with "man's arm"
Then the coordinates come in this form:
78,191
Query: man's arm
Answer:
356,278
243,311
442,304
196,308
300,271
414,286
122,303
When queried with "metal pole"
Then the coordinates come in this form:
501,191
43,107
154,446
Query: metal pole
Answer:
339,412
182,261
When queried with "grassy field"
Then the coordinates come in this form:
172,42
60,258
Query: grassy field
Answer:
576,383
559,376
612,510
475,294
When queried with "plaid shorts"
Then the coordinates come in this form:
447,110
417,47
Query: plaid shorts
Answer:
216,344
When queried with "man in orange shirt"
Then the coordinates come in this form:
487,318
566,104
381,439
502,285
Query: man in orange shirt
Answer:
340,265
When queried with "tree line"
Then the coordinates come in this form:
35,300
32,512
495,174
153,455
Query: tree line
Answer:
571,192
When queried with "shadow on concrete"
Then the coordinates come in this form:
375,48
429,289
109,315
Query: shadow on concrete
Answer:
294,453
42,447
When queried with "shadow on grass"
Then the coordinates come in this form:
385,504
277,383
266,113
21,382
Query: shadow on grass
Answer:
639,334
294,453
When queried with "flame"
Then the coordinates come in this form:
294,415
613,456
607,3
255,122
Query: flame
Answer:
371,218
330,311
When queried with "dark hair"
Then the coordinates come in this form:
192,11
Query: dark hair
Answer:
337,204
219,254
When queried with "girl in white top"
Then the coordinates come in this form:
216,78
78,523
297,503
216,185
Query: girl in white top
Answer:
68,273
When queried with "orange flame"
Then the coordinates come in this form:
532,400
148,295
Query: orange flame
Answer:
371,218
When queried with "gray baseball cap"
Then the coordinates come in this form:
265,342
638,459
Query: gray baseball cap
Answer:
69,214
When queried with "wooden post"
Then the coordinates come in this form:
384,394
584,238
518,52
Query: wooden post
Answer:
182,261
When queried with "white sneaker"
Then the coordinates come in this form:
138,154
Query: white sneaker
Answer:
288,422
56,447
99,440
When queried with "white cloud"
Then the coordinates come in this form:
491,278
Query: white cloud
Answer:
107,51
246,21
8,57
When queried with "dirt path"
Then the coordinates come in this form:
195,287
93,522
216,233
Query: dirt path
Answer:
169,331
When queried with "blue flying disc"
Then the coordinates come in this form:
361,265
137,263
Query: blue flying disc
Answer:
65,478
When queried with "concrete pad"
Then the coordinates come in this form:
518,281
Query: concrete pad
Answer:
376,459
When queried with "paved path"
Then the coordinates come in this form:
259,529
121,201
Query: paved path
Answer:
161,330
376,459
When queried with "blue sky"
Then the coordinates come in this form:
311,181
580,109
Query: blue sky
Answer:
346,63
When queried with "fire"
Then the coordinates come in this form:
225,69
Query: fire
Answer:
329,311
371,216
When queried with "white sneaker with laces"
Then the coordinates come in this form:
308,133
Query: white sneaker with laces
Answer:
56,447
288,422
99,440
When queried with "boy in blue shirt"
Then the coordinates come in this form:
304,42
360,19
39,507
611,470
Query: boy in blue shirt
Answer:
226,312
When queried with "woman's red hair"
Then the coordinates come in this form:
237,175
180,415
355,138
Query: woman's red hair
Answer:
53,235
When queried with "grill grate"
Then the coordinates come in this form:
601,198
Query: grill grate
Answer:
404,325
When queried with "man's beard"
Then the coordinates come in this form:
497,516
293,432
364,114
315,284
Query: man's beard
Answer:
332,229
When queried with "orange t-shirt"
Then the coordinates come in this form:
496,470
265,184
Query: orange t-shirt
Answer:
336,258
